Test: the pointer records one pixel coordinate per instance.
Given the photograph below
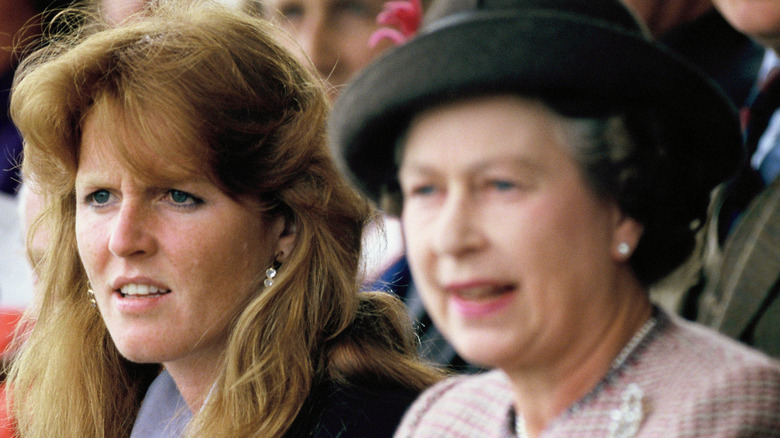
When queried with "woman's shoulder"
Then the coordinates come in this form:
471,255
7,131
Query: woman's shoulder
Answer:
490,385
472,405
699,380
705,351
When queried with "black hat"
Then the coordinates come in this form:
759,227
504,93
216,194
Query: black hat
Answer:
590,56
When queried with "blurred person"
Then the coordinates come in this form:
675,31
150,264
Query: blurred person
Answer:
662,16
548,168
200,283
741,281
333,34
697,31
114,12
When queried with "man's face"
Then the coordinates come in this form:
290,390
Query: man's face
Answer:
759,19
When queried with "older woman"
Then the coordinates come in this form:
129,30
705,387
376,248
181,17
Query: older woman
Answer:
549,163
202,275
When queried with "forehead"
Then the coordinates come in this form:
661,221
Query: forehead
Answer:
483,127
154,147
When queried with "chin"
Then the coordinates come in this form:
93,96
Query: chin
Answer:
484,352
140,356
140,352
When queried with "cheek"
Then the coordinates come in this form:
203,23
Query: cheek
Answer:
567,247
89,240
418,235
542,239
243,260
549,230
414,232
422,267
235,258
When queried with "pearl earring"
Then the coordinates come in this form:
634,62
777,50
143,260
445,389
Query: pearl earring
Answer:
623,248
91,295
270,273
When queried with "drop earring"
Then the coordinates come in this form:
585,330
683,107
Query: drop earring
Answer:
91,295
623,248
270,273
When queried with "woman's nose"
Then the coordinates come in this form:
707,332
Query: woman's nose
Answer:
132,233
457,229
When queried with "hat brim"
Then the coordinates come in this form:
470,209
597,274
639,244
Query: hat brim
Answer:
548,55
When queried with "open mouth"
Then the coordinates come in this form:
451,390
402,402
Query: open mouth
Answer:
141,291
484,293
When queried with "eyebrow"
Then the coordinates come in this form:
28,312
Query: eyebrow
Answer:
522,163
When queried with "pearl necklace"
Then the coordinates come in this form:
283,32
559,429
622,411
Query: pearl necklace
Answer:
633,392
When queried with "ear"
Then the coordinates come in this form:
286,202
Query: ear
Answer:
287,236
626,235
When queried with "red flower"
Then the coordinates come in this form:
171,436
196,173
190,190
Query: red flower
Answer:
405,15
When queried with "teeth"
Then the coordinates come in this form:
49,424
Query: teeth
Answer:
141,289
478,292
483,292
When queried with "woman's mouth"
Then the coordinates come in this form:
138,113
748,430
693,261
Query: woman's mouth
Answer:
482,301
141,291
483,292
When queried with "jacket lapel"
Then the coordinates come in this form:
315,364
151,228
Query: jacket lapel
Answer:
750,264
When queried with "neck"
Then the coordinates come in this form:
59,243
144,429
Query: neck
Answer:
545,392
193,382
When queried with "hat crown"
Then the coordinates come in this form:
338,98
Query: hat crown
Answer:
609,12
584,58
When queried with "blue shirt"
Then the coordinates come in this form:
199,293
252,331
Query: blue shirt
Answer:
163,413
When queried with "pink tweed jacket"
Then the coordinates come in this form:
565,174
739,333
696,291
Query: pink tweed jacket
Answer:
683,380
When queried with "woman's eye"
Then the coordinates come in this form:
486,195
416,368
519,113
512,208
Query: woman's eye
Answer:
286,9
179,197
99,197
421,190
503,185
424,190
356,8
291,12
